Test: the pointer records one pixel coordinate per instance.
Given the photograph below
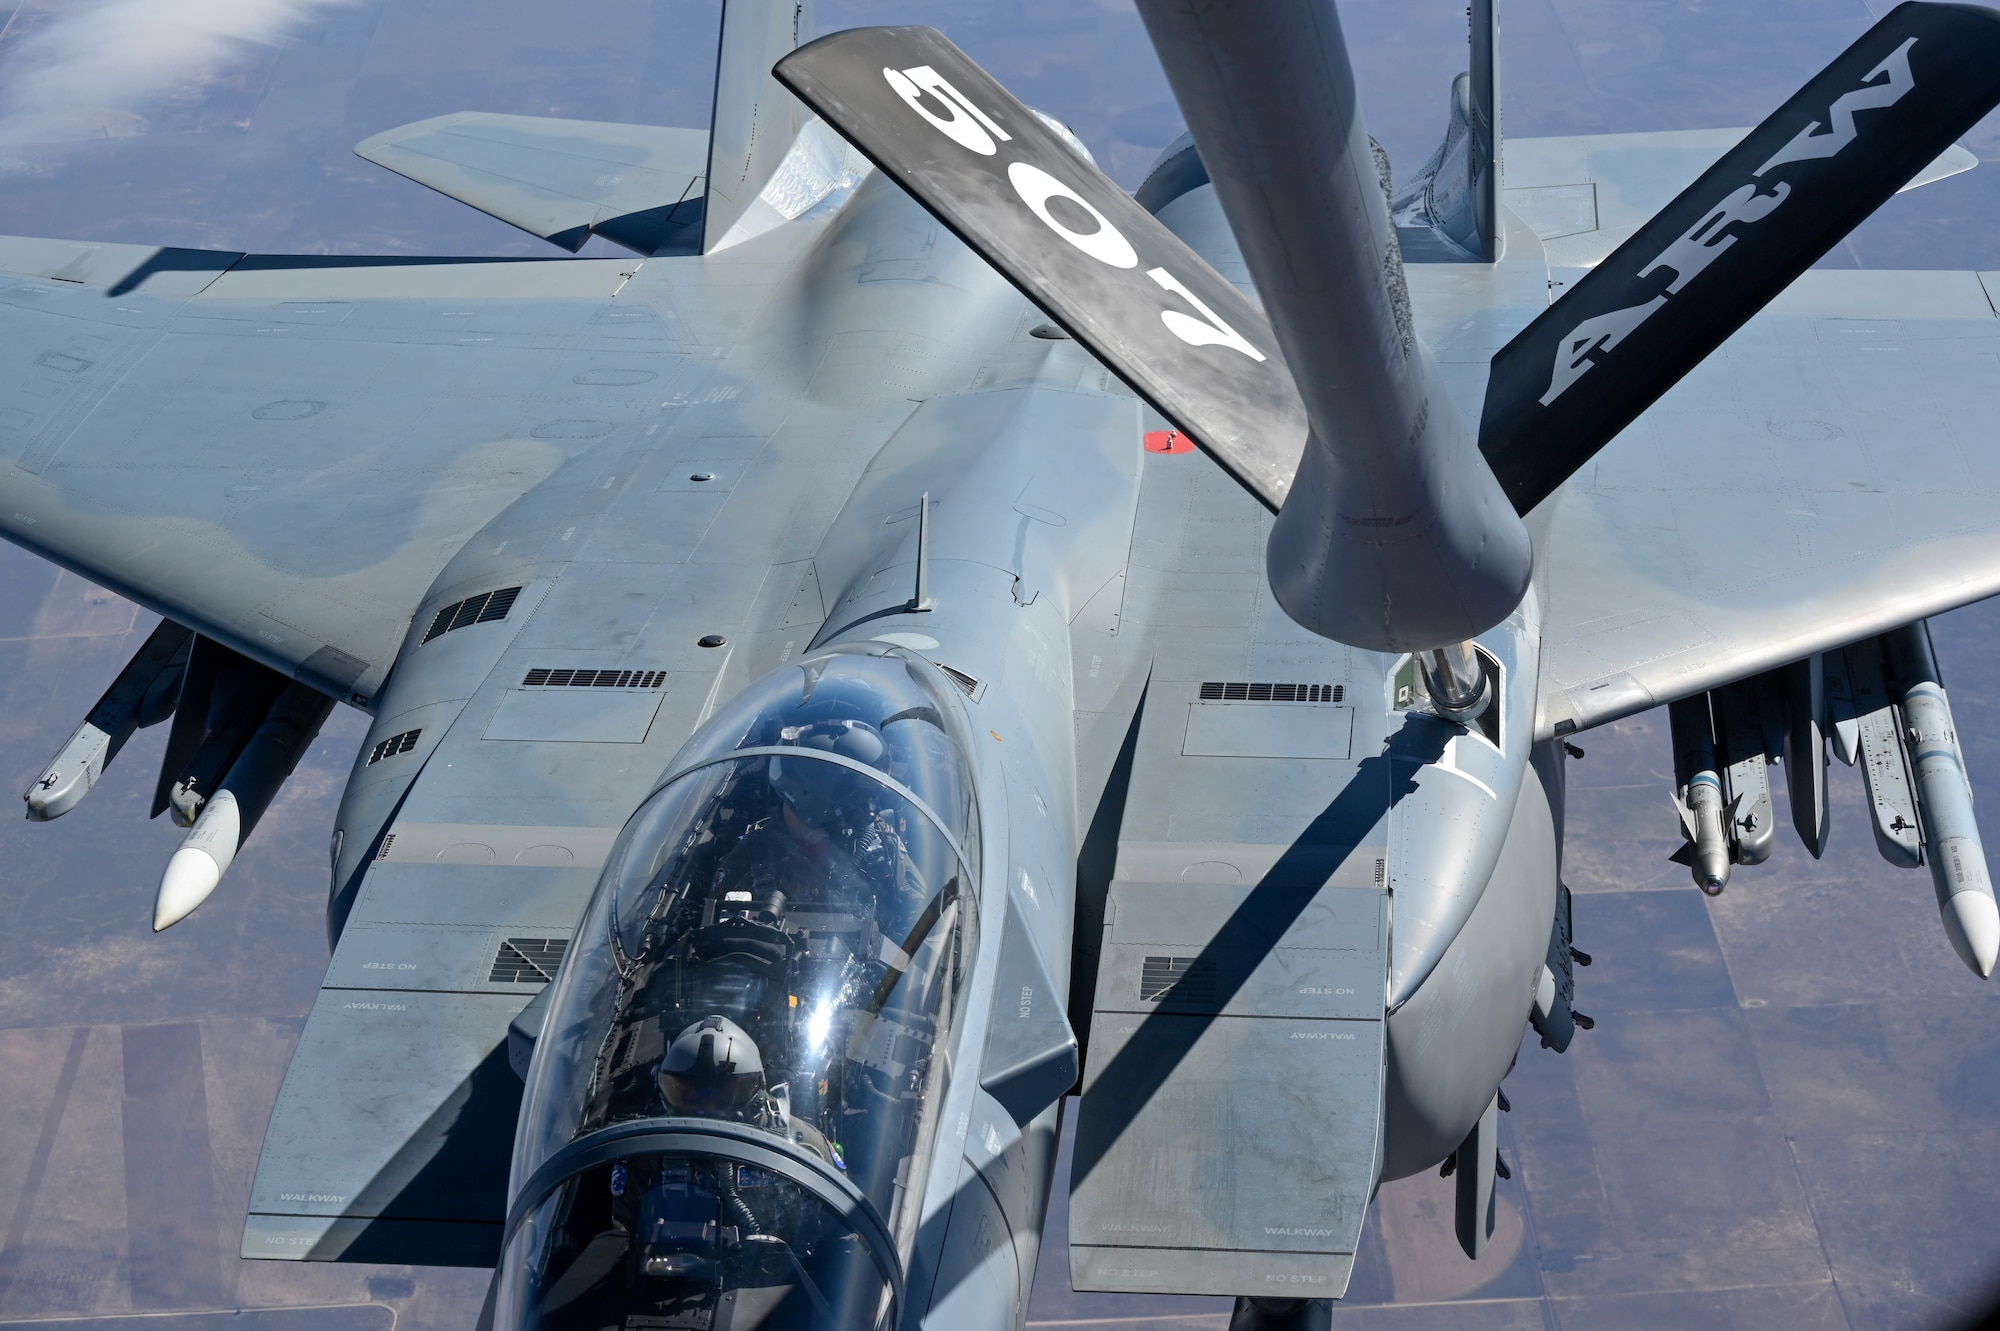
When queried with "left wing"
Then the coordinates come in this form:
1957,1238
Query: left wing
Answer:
1829,473
282,453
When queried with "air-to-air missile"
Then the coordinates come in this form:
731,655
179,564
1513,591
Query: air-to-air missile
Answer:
1944,801
1699,795
239,730
1877,703
222,821
144,694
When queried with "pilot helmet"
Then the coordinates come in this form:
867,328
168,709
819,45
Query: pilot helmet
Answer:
712,1069
815,789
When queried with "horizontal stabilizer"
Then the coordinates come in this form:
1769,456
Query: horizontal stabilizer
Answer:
639,186
1013,189
1734,240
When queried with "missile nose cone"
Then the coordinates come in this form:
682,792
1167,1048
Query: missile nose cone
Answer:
1711,862
191,875
1972,922
201,861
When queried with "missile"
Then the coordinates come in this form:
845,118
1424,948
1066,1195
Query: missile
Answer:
197,867
1951,838
226,818
143,694
1698,796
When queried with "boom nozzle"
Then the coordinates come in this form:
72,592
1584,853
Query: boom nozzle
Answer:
1395,535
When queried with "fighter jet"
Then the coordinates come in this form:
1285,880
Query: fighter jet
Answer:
931,632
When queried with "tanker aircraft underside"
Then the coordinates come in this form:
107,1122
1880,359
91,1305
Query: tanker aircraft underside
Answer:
933,631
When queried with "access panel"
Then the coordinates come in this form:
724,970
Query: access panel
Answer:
1232,1101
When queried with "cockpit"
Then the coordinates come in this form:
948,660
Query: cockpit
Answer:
731,1107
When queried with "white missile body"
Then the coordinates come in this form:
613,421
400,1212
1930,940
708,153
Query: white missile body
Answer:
197,867
1704,811
228,816
1952,844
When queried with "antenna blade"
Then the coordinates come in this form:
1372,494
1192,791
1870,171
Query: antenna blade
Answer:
1716,255
1101,266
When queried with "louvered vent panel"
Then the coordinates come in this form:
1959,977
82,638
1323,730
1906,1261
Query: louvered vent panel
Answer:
393,745
498,605
481,609
593,679
1232,691
528,960
1183,979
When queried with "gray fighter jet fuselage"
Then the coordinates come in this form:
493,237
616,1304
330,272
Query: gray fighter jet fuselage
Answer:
826,709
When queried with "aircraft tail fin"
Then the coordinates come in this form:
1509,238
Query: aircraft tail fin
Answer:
1014,189
1456,194
1485,172
755,121
1729,243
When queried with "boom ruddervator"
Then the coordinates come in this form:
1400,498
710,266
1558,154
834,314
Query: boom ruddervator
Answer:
731,1108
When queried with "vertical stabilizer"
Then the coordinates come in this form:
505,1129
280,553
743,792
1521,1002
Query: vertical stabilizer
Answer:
1456,194
755,119
1483,150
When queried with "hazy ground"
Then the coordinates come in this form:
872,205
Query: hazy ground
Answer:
1788,1115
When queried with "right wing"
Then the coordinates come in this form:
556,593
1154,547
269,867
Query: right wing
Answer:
1830,473
283,453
